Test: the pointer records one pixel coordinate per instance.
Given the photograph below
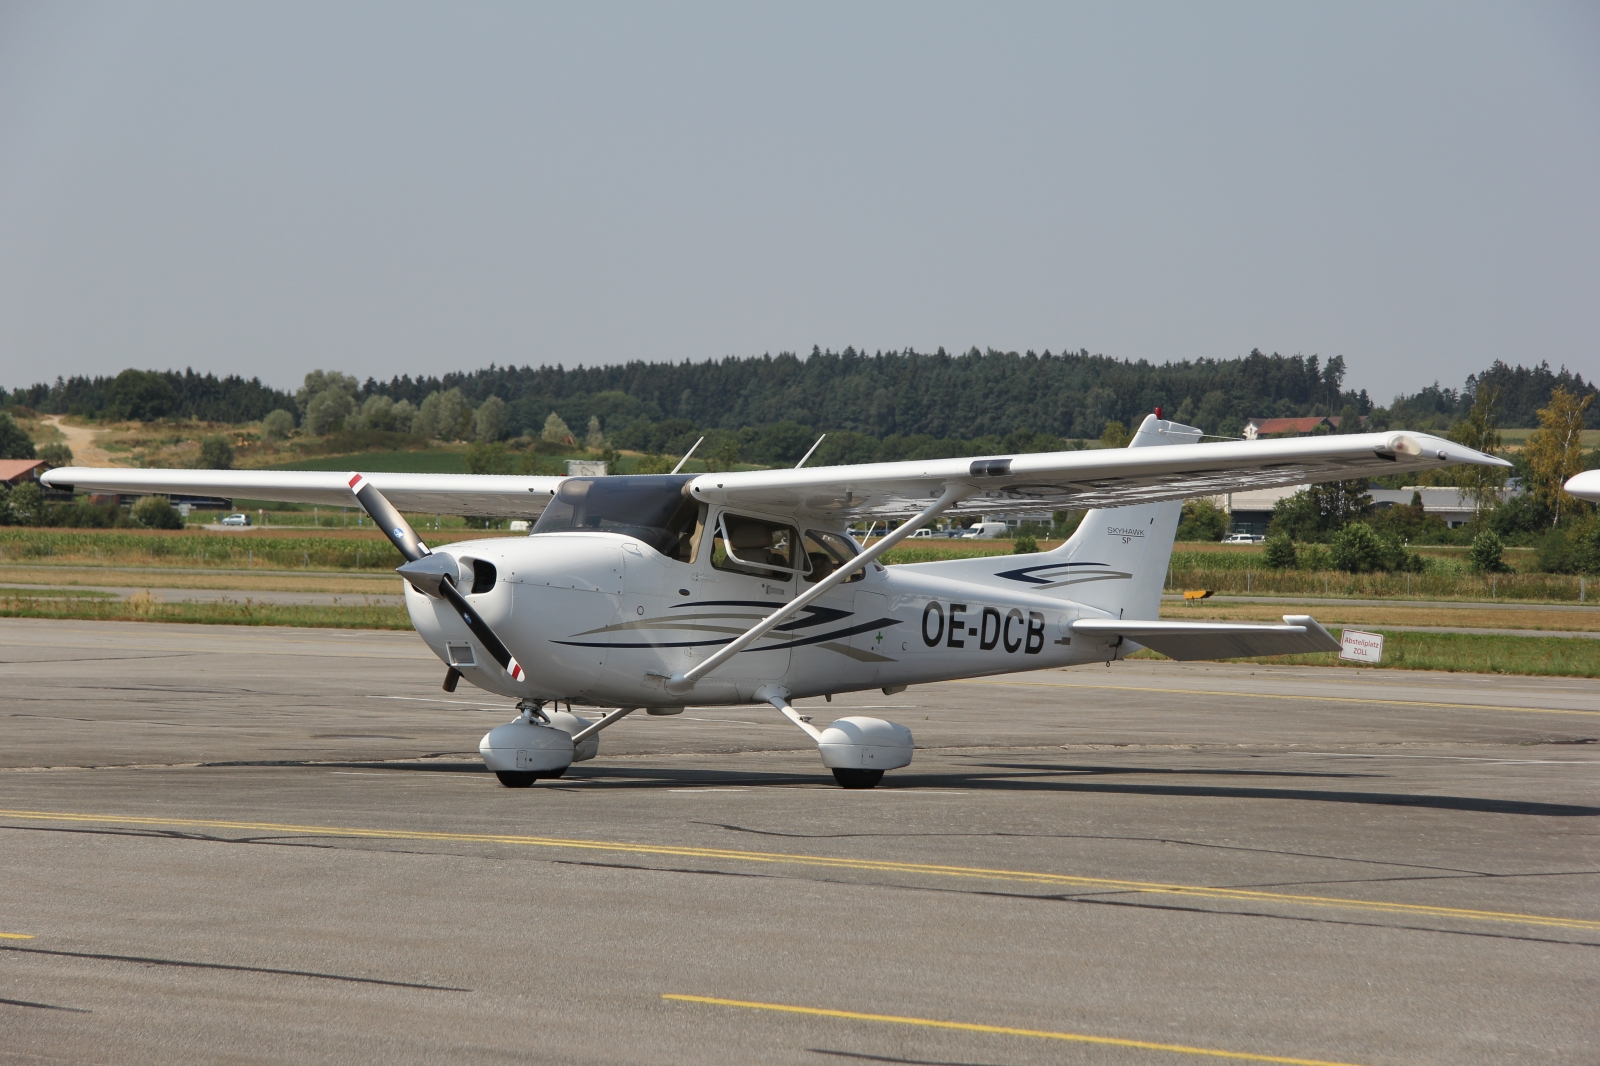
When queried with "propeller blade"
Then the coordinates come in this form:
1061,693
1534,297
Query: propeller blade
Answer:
384,515
435,576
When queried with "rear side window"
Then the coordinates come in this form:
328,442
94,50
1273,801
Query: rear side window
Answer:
826,552
755,546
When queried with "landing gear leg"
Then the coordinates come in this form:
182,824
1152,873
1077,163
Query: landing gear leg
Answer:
856,750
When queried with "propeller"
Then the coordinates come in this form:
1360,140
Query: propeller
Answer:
430,574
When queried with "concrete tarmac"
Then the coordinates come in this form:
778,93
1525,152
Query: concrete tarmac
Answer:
277,845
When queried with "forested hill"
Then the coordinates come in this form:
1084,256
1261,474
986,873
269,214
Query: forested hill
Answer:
909,393
978,394
1520,391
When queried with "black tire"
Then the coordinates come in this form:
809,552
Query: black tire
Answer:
555,773
516,778
857,778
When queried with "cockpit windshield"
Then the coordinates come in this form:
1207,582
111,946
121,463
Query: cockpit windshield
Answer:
650,507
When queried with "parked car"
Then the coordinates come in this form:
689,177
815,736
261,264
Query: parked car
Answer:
238,518
1243,538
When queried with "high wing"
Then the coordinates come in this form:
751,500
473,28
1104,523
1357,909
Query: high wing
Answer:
1111,477
1216,640
489,495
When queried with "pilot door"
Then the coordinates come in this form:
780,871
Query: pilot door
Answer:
747,567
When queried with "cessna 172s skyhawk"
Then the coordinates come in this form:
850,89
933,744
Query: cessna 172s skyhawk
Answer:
658,591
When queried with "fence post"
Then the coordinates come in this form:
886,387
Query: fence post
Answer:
1580,588
1493,593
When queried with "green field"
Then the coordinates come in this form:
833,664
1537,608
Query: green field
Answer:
437,461
454,461
243,550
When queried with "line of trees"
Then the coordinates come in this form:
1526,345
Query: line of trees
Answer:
1071,395
149,395
881,406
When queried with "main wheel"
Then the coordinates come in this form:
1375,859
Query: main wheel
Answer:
555,773
857,778
516,778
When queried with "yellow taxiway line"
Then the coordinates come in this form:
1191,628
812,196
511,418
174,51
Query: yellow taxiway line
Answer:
1003,1030
16,936
1085,885
1279,696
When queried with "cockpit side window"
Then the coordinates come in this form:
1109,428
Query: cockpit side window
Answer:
826,552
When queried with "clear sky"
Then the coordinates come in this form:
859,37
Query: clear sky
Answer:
383,188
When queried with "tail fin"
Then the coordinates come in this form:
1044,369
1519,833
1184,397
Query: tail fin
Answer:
1119,555
1116,561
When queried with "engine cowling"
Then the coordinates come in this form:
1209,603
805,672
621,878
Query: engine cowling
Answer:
865,744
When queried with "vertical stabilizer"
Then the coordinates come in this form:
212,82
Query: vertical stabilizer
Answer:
1132,545
1117,560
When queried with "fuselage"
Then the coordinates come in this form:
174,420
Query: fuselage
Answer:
603,618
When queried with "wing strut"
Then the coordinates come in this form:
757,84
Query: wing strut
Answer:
425,573
688,453
678,684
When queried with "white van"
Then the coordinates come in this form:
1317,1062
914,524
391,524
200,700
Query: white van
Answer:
984,530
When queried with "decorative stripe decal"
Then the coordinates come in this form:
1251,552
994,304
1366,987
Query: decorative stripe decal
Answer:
1026,573
814,639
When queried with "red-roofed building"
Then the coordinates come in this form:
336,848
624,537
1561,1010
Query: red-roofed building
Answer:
1300,427
16,471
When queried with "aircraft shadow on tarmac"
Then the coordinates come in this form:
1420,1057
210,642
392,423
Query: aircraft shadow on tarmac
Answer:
1025,777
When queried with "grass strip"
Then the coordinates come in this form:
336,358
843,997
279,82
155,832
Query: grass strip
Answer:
1558,588
1455,653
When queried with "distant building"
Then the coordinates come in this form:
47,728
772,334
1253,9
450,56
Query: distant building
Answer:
1013,521
16,471
1453,505
1250,512
1300,427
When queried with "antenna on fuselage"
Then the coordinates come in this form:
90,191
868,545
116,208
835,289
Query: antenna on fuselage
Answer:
807,455
686,455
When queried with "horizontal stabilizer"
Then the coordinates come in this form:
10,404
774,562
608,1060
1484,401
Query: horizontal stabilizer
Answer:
1299,634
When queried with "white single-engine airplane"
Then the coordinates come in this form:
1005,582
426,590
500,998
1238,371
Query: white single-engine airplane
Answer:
658,591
